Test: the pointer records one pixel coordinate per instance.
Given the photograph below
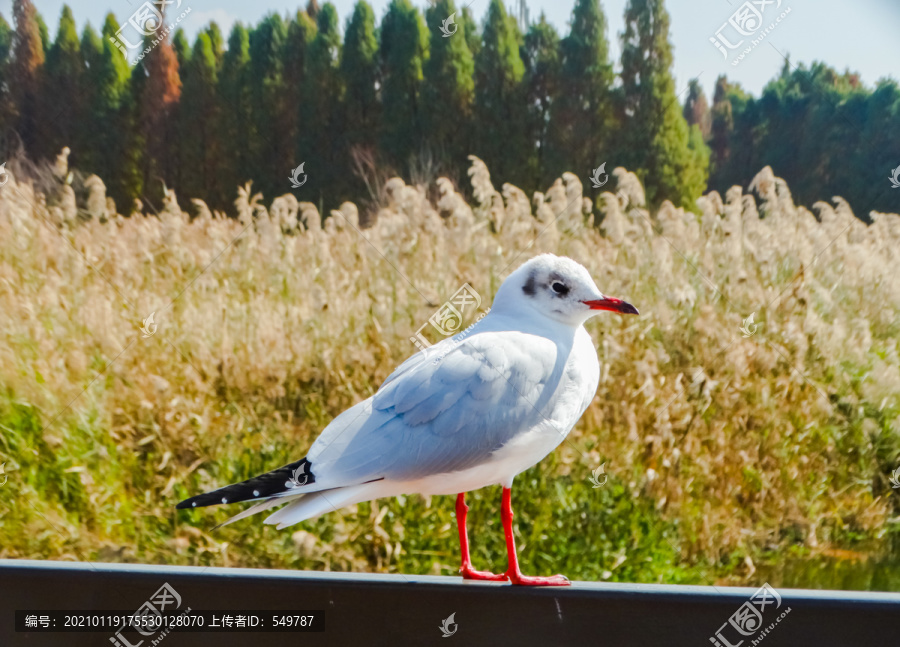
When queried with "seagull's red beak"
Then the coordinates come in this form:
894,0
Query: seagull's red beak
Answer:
613,305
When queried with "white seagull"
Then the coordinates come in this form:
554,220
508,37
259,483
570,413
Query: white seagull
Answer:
470,411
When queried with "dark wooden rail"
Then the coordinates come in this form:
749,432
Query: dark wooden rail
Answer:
399,610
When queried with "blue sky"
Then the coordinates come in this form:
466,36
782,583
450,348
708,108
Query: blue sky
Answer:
859,35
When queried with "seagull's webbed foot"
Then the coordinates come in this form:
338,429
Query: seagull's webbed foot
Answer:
469,573
528,580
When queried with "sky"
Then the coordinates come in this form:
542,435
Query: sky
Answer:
860,35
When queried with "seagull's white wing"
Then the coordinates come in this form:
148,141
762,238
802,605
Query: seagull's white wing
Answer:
444,410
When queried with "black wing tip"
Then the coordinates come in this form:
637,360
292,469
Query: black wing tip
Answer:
258,487
193,502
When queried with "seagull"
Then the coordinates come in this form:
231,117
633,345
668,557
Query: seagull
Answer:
473,410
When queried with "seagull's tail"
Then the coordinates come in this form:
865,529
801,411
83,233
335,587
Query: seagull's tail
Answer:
288,481
314,504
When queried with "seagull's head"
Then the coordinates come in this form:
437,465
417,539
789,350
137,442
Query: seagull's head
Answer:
558,288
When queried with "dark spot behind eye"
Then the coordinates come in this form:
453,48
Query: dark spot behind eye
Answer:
560,288
530,286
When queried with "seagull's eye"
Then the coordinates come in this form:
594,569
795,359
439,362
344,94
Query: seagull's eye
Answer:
559,288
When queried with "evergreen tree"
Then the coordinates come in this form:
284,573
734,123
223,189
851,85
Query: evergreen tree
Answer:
656,142
91,56
7,109
300,34
183,126
696,109
182,50
542,72
91,47
360,74
471,32
217,41
236,127
404,48
448,93
157,87
198,112
44,32
322,145
877,152
62,106
26,72
500,111
272,152
582,115
109,126
721,127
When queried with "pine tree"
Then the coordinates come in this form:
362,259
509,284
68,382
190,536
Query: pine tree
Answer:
44,32
448,93
721,127
360,74
404,48
91,47
272,153
236,126
300,34
696,109
108,127
7,109
471,32
879,125
322,145
61,102
217,42
157,85
91,56
542,72
198,112
500,111
182,50
26,72
582,115
656,145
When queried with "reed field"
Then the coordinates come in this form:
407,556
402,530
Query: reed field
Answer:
728,444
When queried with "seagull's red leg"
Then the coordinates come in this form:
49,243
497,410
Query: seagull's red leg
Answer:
466,570
513,572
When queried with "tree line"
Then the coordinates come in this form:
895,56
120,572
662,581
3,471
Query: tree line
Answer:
414,94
